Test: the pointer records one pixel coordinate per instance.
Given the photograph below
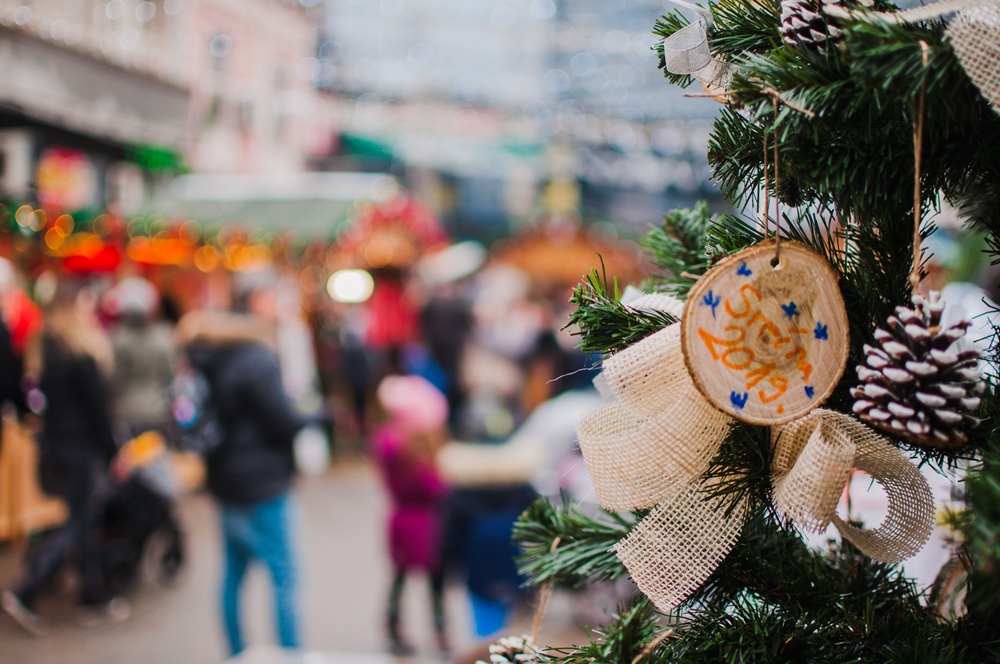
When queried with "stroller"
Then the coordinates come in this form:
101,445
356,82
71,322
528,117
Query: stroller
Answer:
138,530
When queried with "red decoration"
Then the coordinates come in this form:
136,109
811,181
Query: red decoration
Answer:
104,260
392,234
394,320
22,317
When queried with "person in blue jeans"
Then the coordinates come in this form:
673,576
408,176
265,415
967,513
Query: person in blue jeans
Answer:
260,532
250,471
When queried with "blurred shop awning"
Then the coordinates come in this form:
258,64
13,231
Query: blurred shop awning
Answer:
311,204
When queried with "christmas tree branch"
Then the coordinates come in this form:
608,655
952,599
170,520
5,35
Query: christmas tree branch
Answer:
624,641
847,185
678,248
604,323
584,552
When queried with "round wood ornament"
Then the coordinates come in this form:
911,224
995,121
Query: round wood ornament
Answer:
766,343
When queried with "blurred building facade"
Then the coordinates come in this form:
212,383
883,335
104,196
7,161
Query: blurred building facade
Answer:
254,108
579,75
86,88
102,101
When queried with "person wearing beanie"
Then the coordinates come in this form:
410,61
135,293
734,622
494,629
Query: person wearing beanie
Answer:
405,448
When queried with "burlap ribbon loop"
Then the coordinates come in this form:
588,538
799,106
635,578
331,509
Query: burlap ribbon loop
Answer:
659,435
812,462
650,447
813,458
975,36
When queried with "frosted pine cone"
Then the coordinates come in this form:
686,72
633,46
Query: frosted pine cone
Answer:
914,386
810,23
512,650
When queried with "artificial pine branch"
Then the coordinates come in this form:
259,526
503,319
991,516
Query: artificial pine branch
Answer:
604,324
584,552
857,152
690,241
741,472
978,199
745,26
980,526
686,245
775,600
621,642
678,248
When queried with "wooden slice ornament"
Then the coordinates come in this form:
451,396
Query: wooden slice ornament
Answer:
765,343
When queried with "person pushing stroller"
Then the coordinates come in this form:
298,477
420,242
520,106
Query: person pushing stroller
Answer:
71,359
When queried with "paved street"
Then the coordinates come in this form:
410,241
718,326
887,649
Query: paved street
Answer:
345,579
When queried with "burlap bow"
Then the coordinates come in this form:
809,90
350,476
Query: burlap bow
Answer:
975,36
649,448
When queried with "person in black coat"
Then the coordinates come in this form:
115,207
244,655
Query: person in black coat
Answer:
11,372
250,472
71,358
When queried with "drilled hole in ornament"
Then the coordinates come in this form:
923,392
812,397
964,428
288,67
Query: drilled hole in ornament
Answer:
869,503
776,263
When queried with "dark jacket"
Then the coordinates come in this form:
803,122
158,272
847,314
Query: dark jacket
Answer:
477,537
10,372
254,462
76,419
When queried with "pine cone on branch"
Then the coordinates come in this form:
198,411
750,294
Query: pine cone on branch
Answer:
512,650
809,22
914,386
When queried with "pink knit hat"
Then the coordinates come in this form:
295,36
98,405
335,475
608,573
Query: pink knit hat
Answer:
413,403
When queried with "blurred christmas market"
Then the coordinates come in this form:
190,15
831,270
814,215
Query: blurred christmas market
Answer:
188,165
499,331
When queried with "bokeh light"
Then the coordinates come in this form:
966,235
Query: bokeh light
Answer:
350,286
206,258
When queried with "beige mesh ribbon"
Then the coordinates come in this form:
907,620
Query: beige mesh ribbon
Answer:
660,433
813,457
650,447
975,36
679,544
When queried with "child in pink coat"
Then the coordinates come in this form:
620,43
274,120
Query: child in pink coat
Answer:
405,448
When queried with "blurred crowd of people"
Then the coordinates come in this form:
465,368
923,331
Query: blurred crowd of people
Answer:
96,372
475,390
455,378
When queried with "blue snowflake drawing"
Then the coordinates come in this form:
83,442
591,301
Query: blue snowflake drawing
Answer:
821,332
739,400
712,300
791,309
743,270
810,391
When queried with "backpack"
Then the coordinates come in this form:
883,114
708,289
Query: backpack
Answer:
197,427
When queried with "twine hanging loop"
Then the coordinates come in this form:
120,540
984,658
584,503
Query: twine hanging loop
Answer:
918,141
